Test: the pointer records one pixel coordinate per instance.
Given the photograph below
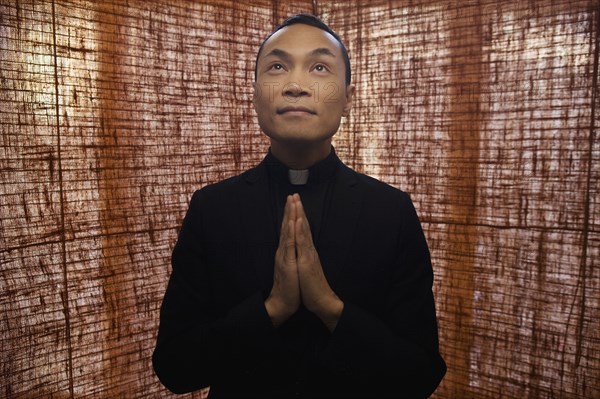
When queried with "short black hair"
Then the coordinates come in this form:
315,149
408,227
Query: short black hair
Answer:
311,20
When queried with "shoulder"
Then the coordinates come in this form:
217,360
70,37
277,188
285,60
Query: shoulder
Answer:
227,189
375,188
379,200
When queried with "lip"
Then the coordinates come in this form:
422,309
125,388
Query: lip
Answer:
294,109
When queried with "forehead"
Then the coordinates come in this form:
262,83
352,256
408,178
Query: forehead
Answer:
301,38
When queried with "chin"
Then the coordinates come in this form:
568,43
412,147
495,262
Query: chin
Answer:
302,141
301,136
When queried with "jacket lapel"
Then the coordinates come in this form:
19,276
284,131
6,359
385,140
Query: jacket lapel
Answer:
259,224
339,226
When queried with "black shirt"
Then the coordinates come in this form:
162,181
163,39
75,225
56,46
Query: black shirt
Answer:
315,193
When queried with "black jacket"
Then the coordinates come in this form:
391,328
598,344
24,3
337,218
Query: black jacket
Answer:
215,331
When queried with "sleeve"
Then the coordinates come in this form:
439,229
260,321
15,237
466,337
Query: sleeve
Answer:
194,343
397,349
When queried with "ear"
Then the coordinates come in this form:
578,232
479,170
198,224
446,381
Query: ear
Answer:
350,91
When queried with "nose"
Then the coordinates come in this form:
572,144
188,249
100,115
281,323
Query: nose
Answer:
295,89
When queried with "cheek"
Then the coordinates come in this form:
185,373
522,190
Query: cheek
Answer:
331,95
258,100
265,92
261,107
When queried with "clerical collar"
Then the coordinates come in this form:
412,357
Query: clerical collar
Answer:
319,172
298,177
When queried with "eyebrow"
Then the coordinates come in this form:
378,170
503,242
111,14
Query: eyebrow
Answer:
286,56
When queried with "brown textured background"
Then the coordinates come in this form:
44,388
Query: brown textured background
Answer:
113,113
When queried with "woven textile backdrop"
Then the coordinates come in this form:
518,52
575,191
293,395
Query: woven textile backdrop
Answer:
113,113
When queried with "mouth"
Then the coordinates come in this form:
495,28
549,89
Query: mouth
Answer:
295,110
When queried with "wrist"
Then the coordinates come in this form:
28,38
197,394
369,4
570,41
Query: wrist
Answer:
276,312
332,311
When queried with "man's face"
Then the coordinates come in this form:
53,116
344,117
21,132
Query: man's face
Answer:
300,93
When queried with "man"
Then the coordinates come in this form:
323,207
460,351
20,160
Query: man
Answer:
300,277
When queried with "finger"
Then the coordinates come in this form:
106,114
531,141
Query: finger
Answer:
303,238
288,235
299,206
304,244
289,245
297,199
303,227
287,212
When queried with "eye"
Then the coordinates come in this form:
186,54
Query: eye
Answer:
320,68
276,66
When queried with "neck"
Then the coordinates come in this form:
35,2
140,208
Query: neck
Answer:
296,156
